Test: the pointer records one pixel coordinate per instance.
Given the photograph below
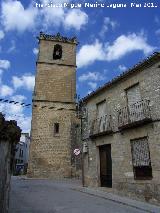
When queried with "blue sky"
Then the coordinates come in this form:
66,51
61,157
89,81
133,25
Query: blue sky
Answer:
111,41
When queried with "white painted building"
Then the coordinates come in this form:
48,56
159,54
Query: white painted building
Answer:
22,153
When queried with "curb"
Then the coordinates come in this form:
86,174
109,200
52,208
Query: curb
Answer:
121,200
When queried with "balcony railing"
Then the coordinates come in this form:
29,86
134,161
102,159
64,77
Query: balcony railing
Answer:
134,114
101,126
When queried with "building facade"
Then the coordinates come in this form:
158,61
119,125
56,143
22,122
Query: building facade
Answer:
121,133
22,154
54,122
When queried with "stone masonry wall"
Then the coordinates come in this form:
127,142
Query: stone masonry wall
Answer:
46,52
76,143
50,155
55,83
5,175
9,136
55,88
122,169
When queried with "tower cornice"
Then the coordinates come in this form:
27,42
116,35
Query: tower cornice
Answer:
58,64
57,37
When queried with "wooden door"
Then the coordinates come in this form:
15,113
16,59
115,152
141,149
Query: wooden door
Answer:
105,165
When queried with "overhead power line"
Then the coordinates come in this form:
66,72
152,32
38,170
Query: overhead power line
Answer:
34,105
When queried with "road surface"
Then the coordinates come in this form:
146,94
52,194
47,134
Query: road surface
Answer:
46,196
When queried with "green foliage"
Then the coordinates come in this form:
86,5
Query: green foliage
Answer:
9,130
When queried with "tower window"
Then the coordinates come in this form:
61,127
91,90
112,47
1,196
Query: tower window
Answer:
56,128
57,52
141,158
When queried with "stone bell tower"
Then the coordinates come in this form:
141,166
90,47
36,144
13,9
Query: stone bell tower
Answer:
54,108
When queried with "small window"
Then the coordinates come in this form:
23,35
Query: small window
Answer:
56,128
141,158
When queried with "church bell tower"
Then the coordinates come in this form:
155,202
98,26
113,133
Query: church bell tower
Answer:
54,109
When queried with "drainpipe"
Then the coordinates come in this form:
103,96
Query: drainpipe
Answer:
82,157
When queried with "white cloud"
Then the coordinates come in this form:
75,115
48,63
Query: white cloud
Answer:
12,47
26,81
123,45
16,17
45,2
93,85
75,18
4,64
90,53
126,44
5,91
108,23
17,82
16,112
25,123
122,68
15,109
91,76
1,34
35,51
10,109
52,16
19,98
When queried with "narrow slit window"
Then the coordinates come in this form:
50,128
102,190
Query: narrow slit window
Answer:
56,128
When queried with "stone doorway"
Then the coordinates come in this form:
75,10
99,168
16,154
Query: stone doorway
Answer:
105,165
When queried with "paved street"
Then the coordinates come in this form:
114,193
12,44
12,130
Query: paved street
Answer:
46,196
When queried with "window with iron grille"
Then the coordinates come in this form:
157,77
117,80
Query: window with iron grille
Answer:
141,158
